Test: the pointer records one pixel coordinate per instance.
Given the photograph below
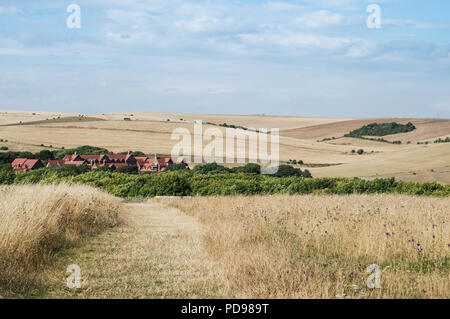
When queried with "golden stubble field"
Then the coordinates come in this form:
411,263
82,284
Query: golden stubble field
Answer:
321,246
299,140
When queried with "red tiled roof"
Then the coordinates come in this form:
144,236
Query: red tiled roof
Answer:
56,162
18,161
24,164
119,157
141,160
92,157
76,163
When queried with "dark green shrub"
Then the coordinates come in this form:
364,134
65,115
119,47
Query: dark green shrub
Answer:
211,168
250,168
287,170
127,169
7,174
176,167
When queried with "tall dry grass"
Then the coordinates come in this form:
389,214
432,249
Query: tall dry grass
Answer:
37,220
320,246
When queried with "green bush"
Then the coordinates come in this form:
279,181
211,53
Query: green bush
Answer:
250,168
128,169
176,167
210,168
287,170
7,174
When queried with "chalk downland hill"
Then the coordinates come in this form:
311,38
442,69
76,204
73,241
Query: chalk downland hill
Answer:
305,139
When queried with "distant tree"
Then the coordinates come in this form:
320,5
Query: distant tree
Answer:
127,169
210,168
307,174
176,167
287,170
250,168
360,151
46,155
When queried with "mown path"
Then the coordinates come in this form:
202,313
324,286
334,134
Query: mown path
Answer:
155,253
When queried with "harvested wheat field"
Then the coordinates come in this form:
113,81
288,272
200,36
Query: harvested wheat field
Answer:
36,221
320,246
300,139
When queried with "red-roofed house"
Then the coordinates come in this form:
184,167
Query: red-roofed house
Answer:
25,164
144,164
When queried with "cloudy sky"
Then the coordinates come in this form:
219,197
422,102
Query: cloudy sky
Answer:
286,57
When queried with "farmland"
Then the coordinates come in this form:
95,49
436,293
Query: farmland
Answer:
241,235
300,139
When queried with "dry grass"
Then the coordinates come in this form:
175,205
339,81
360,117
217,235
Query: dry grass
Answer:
157,252
36,221
320,246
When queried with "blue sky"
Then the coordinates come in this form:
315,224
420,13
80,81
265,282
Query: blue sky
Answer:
307,58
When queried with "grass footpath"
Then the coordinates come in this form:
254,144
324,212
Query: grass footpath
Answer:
156,253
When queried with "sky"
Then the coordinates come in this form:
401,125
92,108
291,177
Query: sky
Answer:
280,57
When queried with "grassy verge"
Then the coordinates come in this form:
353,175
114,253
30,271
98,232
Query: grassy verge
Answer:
37,221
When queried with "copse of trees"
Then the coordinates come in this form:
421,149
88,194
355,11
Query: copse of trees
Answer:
441,140
376,129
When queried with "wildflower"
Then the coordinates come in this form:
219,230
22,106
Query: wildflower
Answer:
388,234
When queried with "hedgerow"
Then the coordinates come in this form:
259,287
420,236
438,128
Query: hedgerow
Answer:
186,183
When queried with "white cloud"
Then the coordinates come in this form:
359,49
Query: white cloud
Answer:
281,6
293,39
10,10
206,24
320,19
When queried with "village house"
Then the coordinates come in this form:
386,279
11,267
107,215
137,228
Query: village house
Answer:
144,164
25,164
